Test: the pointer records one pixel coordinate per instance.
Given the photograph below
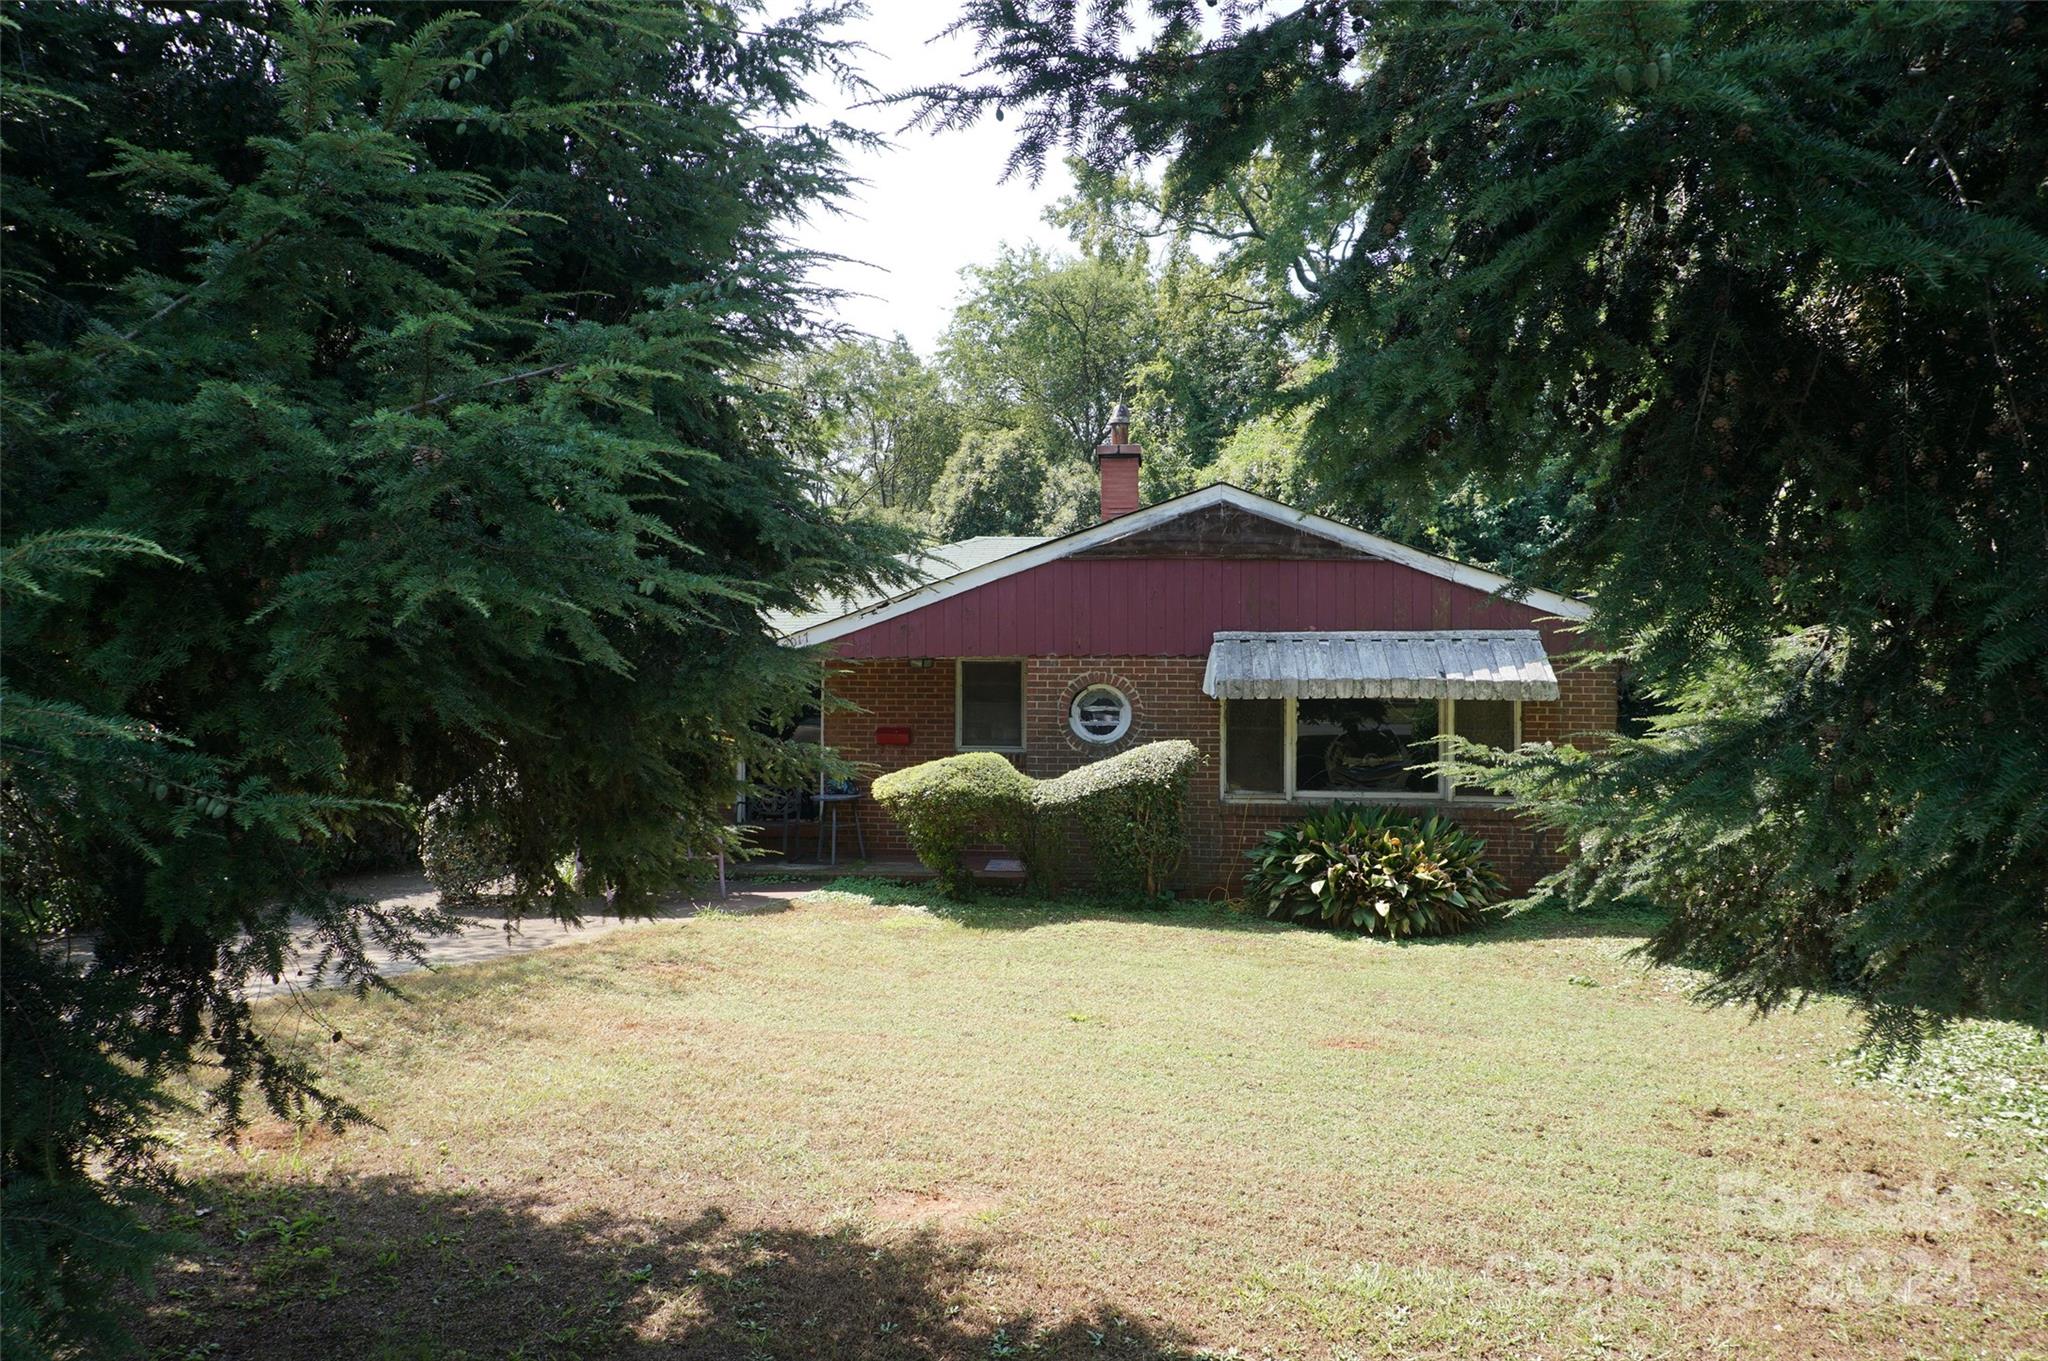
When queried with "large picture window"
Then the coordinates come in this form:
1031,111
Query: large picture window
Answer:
1354,748
1350,746
989,706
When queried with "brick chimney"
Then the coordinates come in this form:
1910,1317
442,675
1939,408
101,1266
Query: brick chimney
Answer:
1116,462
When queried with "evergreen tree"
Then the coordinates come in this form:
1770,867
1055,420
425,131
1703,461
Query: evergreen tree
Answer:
379,422
1762,288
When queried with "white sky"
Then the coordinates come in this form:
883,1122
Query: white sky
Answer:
932,203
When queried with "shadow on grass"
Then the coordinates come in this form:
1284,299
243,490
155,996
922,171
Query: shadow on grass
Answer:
1003,907
1007,909
380,1267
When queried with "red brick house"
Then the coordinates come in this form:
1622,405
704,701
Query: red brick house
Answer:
1307,660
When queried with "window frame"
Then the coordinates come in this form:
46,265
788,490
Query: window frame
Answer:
1445,791
1074,715
960,708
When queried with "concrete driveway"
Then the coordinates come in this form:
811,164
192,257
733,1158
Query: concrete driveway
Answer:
484,935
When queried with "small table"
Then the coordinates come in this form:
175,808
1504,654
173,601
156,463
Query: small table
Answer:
833,800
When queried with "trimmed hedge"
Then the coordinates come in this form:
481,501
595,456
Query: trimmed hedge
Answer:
947,805
1129,809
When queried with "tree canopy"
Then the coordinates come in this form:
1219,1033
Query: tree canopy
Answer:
1751,298
386,416
1041,348
881,419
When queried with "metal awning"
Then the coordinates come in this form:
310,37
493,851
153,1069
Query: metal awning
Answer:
1422,664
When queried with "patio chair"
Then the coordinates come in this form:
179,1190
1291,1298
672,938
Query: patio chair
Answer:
777,807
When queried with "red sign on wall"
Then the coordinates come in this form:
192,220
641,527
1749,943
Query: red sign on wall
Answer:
892,737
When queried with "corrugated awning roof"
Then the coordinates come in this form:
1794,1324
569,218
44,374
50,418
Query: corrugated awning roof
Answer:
1423,664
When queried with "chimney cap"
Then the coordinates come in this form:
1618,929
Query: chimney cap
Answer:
1118,436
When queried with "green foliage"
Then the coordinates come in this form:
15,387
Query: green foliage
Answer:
1128,809
1049,344
1070,499
382,404
462,852
1747,301
993,484
1265,456
947,805
1375,870
996,434
1669,819
883,424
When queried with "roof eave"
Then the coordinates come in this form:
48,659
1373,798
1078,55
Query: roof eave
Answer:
1216,493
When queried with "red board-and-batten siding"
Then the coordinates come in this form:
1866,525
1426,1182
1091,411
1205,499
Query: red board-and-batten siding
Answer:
1174,607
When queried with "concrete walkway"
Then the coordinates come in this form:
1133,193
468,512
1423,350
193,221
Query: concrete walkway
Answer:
483,934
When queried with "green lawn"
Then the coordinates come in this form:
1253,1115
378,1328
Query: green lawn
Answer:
861,1128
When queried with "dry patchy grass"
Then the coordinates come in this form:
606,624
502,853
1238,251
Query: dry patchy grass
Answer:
867,1129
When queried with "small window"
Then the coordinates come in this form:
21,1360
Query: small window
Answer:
991,706
1100,713
1255,746
1488,722
1385,746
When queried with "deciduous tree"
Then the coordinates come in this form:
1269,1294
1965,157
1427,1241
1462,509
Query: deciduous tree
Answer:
884,423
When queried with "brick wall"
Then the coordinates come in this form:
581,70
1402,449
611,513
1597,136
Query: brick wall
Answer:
1167,702
1586,703
888,694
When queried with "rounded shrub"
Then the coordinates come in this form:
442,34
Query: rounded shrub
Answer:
947,805
1129,810
1376,870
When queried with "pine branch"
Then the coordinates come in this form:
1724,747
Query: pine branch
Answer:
451,395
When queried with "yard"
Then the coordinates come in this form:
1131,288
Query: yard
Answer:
862,1127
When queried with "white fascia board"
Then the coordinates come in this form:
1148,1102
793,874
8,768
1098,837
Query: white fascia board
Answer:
1216,494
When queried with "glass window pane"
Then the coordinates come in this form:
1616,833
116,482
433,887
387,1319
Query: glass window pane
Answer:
1489,722
991,704
1346,746
1100,714
1255,746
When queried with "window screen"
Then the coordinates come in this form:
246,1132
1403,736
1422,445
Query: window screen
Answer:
1382,745
1255,746
1489,722
992,705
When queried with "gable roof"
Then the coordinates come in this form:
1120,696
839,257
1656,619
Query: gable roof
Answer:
977,562
935,564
